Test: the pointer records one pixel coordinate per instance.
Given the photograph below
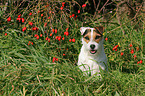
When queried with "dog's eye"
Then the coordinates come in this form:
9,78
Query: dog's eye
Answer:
97,37
87,38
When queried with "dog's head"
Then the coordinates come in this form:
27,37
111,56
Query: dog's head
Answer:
92,38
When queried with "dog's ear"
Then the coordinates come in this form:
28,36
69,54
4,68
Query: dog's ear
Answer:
100,29
83,29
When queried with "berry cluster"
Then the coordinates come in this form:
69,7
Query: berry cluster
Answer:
52,34
115,48
131,50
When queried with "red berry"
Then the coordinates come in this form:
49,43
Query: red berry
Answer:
79,11
45,24
70,16
63,54
51,34
76,17
37,37
32,43
9,19
18,19
23,20
135,56
42,15
53,60
84,5
130,45
49,17
122,53
73,15
56,59
56,37
61,8
66,33
24,29
41,35
59,38
30,13
63,38
73,40
115,47
30,23
53,30
48,39
70,40
35,29
140,61
38,11
63,3
132,51
19,16
106,38
6,34
66,29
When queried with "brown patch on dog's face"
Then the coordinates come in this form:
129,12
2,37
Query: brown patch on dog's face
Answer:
95,36
87,35
99,29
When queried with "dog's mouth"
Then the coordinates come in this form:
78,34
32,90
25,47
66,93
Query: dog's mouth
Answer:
93,51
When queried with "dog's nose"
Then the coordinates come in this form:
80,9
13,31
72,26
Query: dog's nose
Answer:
92,46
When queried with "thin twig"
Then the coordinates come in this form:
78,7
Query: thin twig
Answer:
98,5
97,8
95,4
138,11
103,6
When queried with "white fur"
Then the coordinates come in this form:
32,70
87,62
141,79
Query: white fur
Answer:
88,62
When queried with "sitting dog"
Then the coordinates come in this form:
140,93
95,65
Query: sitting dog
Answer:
92,55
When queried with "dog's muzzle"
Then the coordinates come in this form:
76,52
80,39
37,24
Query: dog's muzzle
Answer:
92,51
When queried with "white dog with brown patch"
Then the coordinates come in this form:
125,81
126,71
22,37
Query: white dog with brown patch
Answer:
92,55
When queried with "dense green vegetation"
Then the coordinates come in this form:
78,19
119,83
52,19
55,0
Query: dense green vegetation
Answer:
40,43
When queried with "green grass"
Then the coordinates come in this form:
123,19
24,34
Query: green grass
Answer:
29,70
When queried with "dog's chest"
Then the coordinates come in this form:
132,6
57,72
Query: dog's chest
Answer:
92,63
89,60
89,64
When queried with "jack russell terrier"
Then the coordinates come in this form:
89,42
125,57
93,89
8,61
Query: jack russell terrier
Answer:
92,55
